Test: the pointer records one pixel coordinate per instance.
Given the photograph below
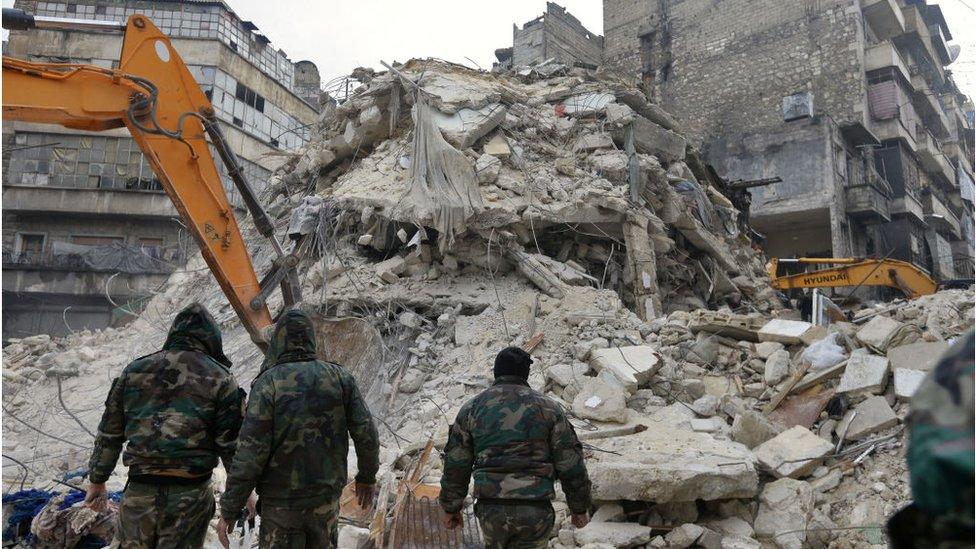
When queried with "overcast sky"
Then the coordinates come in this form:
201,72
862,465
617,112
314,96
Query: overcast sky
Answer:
340,36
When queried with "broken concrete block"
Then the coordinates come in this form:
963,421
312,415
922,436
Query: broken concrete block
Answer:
767,348
752,428
565,166
882,332
865,373
708,425
568,374
673,416
466,126
608,512
793,453
706,406
788,332
868,417
664,464
601,401
652,139
777,367
633,366
917,356
353,537
785,506
731,526
727,324
684,536
487,168
498,146
615,534
389,277
365,240
587,103
907,382
710,539
740,542
618,113
592,141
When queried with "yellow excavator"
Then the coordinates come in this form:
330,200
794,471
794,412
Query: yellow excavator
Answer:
155,96
854,272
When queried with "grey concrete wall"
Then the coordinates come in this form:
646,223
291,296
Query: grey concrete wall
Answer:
556,34
732,62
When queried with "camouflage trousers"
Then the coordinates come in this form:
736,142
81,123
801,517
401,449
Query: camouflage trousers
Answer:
515,525
290,528
153,516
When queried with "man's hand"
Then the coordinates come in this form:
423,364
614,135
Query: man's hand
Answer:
364,494
580,520
96,496
453,520
223,528
251,506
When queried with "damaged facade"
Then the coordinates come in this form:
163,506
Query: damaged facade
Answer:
88,232
555,35
850,102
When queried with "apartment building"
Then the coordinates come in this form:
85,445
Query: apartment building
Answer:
88,232
850,102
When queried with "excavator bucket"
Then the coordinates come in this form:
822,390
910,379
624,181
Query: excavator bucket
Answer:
356,345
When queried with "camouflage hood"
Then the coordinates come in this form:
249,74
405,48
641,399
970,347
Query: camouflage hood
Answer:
195,330
293,340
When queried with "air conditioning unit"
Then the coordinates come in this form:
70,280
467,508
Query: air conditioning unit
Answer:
798,105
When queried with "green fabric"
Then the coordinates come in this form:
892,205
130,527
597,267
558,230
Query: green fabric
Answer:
177,411
516,443
195,330
294,442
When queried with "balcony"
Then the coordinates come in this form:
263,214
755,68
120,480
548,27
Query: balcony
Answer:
885,54
933,160
929,107
884,16
908,206
869,198
918,38
939,43
85,201
938,215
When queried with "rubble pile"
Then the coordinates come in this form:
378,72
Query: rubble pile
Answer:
460,212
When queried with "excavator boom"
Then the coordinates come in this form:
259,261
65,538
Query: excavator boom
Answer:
855,272
154,95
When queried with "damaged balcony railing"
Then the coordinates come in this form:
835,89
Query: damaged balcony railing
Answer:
115,257
868,196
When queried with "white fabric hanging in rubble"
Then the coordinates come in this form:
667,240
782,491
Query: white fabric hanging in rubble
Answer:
443,191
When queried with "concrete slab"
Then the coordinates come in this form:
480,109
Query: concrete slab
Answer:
907,382
882,332
632,366
614,534
872,415
601,401
466,126
917,356
794,453
864,373
664,465
788,332
767,348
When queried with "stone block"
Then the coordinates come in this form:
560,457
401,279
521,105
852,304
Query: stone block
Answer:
787,332
487,168
752,428
767,348
917,356
793,453
785,506
601,401
498,146
608,512
466,126
873,415
664,464
684,536
652,139
592,141
615,534
882,332
777,367
633,366
864,373
568,374
907,382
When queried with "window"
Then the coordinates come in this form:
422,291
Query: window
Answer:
72,8
96,240
100,10
30,244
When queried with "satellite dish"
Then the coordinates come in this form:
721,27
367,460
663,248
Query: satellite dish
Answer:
954,51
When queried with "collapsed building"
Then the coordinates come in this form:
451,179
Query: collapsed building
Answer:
455,212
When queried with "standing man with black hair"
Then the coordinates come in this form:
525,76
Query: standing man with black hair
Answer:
516,443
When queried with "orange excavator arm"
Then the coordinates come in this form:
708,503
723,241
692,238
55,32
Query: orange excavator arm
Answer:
154,95
854,272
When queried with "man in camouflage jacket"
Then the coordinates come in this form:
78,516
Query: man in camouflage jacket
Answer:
295,440
516,443
941,457
179,410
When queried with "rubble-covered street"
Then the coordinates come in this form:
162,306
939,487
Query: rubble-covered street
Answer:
457,212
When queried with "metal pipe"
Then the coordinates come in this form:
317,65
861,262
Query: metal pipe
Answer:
17,19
